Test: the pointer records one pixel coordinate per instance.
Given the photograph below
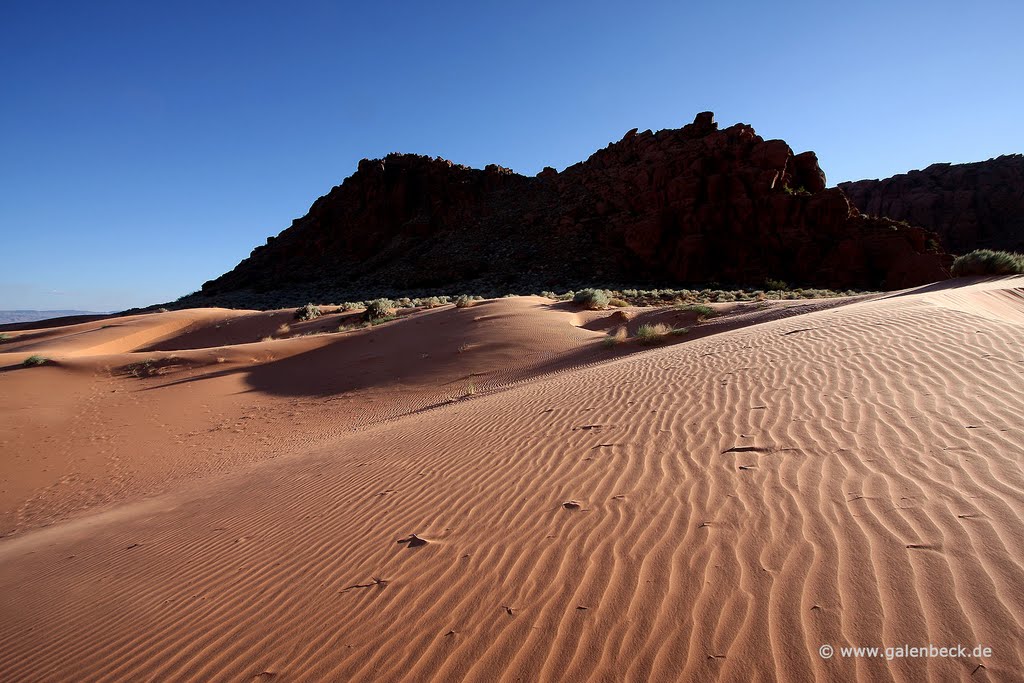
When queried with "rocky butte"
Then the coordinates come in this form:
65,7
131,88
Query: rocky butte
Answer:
970,206
681,206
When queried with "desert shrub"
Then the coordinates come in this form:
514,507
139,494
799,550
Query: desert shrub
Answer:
432,302
774,285
4,337
591,298
283,329
33,361
146,368
617,303
308,312
352,305
463,301
988,262
617,337
379,308
404,302
651,334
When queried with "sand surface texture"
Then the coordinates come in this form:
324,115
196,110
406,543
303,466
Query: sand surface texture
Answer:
491,493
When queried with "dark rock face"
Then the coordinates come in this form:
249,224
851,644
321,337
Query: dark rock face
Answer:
681,206
970,206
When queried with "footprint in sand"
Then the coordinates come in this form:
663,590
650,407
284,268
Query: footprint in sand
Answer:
746,449
375,581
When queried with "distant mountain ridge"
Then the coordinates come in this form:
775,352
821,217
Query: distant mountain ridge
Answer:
26,316
970,206
680,206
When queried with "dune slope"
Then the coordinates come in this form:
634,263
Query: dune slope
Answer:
716,509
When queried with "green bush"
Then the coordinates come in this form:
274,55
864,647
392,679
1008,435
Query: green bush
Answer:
988,262
4,337
617,303
33,361
379,309
774,285
463,301
352,305
593,299
308,312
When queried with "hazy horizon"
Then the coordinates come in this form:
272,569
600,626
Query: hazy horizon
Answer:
150,149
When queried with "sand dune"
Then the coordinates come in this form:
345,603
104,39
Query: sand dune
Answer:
791,475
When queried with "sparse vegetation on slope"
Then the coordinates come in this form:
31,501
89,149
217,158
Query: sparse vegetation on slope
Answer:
618,296
703,311
33,361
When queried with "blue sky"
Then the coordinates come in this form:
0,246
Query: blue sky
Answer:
146,148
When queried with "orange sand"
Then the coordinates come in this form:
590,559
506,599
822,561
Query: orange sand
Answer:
788,475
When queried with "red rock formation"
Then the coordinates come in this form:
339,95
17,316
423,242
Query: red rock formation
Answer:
683,206
970,206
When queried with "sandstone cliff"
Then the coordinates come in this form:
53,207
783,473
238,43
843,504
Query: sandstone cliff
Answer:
970,206
680,206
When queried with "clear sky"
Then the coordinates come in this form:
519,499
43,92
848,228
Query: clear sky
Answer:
147,147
